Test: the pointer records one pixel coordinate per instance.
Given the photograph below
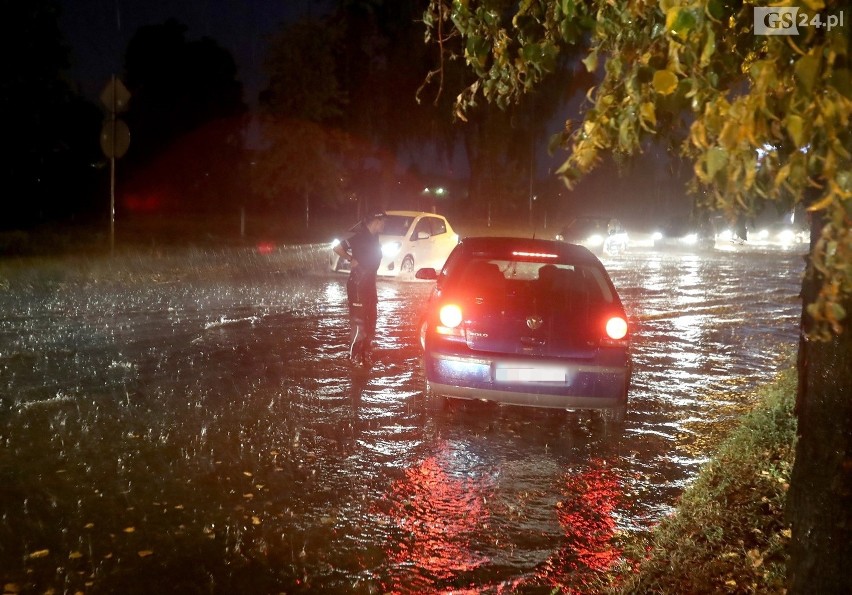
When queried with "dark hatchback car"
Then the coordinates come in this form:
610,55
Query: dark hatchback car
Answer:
526,322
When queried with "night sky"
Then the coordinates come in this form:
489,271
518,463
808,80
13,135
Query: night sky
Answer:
98,32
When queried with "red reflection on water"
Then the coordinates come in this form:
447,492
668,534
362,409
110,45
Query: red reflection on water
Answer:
587,516
436,514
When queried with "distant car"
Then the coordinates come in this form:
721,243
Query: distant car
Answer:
410,240
767,232
681,235
781,235
526,322
601,235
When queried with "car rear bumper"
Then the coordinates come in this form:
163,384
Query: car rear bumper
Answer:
553,383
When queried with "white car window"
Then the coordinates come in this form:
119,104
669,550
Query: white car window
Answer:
422,225
438,225
396,225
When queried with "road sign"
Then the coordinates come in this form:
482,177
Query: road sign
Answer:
115,96
115,138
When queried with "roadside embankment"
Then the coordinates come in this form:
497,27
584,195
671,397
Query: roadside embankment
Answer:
728,534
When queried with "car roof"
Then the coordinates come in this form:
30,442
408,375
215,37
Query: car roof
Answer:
412,213
495,247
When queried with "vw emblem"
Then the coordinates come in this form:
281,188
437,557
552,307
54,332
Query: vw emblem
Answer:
534,322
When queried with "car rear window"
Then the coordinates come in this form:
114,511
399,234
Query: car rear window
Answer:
526,275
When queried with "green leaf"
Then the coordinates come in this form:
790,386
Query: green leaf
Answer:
625,135
709,48
665,82
540,56
716,9
807,71
795,128
476,51
613,66
647,113
838,312
680,21
842,81
591,61
717,158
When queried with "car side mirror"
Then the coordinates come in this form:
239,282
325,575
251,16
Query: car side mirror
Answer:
427,274
423,235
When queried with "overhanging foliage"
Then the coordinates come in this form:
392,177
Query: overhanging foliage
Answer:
761,117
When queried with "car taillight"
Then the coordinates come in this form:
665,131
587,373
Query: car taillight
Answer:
450,315
450,318
616,328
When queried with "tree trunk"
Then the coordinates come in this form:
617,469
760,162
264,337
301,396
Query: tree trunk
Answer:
819,504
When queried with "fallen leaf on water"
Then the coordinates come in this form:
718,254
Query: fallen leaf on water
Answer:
255,520
38,554
247,473
249,495
129,529
11,588
145,553
788,533
89,526
74,555
731,583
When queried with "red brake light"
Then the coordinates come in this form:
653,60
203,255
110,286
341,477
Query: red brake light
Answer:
616,328
450,315
534,254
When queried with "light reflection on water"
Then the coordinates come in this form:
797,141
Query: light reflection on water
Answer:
213,414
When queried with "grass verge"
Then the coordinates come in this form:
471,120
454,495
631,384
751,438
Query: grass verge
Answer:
728,534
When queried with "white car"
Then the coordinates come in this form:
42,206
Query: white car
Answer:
411,240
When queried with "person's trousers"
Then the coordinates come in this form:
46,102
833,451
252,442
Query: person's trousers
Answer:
361,294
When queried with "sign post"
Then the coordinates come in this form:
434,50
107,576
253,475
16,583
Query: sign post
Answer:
115,139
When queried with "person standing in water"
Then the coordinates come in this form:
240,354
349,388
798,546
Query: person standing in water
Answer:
364,253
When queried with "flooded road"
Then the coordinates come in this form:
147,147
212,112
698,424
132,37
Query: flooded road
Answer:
189,424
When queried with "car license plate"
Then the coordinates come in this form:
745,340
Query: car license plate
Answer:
530,374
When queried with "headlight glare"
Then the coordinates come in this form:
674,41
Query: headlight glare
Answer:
391,249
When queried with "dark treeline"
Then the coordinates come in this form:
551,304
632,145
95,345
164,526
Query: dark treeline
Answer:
344,124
